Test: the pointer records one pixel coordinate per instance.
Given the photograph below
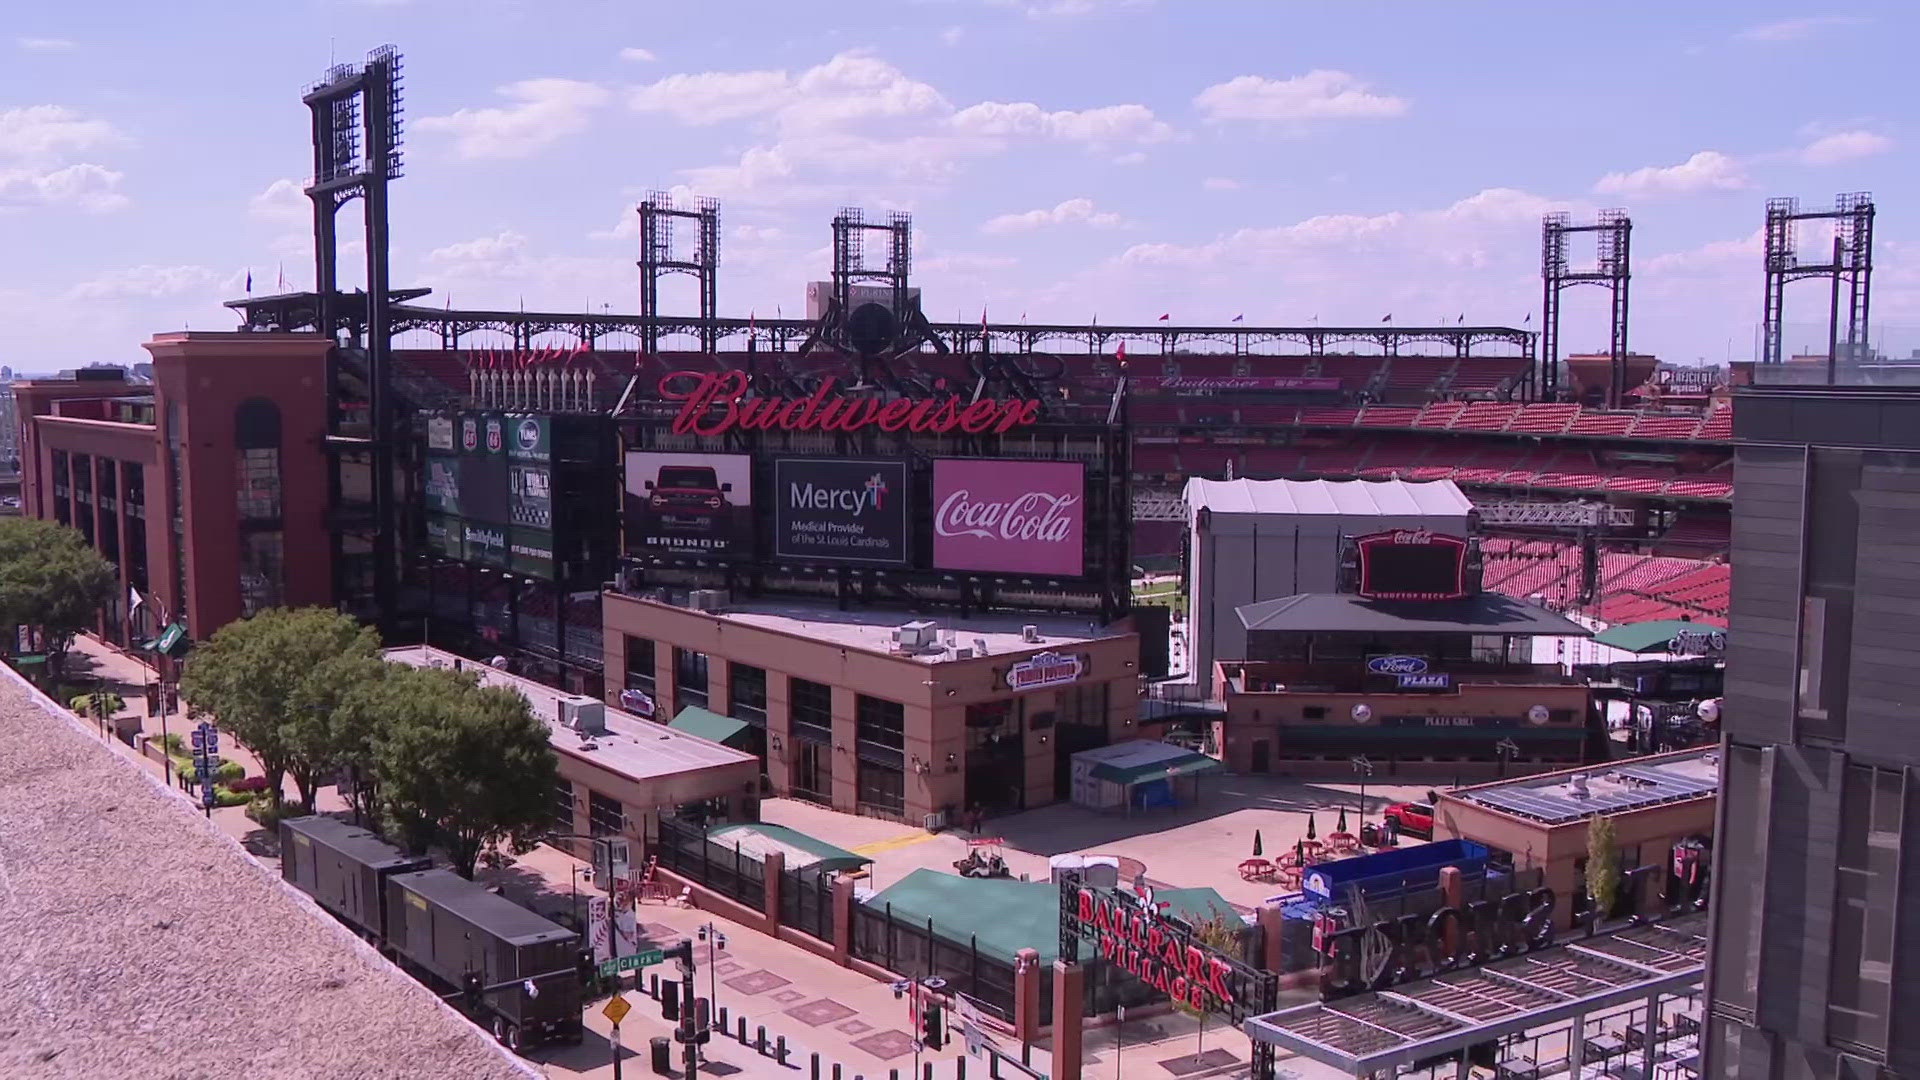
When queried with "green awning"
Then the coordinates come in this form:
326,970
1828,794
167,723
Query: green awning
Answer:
1664,636
758,839
1185,763
1001,916
710,726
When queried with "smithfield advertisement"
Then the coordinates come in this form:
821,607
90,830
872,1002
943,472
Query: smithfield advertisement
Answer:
838,510
1009,517
689,504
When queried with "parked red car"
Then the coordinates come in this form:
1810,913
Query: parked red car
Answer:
1411,818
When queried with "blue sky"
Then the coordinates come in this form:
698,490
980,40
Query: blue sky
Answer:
1063,159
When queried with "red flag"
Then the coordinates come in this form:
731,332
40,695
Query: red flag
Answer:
1120,353
983,318
1166,316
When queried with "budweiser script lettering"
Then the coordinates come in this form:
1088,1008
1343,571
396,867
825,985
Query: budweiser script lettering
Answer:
1037,516
711,404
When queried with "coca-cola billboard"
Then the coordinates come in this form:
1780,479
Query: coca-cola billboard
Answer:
1010,517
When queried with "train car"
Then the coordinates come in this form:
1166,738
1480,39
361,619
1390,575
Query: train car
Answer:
454,932
344,869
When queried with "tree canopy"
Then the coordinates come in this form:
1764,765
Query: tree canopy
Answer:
465,765
51,578
1603,865
270,682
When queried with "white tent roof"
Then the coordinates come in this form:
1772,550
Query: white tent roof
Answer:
1398,498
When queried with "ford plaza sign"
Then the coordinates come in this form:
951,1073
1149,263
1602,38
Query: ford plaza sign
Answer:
1397,665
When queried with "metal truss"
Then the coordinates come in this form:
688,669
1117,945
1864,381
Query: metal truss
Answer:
1611,272
1559,515
1850,269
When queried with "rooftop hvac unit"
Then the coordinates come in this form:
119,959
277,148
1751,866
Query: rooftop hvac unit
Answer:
917,635
935,821
708,600
586,715
961,653
979,646
1579,786
1030,634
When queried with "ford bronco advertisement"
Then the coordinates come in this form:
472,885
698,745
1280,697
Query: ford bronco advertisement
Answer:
689,504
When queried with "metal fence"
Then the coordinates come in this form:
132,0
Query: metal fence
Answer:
684,849
806,902
916,948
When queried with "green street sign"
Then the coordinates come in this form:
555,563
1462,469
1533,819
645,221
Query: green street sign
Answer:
631,963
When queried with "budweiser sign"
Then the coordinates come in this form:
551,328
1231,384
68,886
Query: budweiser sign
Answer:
1011,517
713,403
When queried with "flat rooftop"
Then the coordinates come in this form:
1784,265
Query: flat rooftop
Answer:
872,629
128,921
1617,787
635,748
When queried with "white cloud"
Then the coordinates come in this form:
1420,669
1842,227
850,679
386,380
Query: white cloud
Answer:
952,35
543,112
1070,212
842,124
500,253
1303,99
1844,146
146,282
50,133
638,55
1796,29
282,202
1714,258
88,187
44,44
1221,183
1708,170
1053,9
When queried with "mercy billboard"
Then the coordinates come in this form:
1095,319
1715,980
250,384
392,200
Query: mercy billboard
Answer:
689,504
840,510
1009,517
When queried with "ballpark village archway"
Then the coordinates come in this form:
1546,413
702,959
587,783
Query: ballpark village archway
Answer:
1140,940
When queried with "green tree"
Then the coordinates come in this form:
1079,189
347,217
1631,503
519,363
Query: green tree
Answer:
1603,865
266,681
356,714
51,579
468,765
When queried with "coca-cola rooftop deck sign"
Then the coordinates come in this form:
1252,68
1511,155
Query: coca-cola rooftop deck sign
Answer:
1009,517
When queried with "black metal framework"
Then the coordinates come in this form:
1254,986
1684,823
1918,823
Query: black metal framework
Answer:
356,113
850,228
657,216
1849,268
1611,272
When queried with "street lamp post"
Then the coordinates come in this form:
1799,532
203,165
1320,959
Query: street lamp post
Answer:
1363,768
911,988
717,940
1507,749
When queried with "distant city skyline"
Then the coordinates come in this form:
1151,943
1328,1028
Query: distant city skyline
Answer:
1065,160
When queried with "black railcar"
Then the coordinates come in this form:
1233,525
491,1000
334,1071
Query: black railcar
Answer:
344,868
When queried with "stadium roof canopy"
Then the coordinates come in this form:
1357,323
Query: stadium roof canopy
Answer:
1487,613
1377,1032
1382,498
1617,787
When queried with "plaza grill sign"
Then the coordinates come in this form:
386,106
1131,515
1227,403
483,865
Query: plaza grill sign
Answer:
1041,670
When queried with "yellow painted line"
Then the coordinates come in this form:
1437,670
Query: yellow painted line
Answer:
893,843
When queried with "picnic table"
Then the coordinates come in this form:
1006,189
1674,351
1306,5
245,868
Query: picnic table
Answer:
1255,870
1604,1046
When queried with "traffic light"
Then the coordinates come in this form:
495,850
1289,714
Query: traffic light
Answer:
588,970
933,1029
471,988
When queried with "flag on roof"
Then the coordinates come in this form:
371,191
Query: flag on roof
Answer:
1165,315
1240,317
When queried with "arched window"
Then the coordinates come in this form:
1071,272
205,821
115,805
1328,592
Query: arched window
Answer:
256,439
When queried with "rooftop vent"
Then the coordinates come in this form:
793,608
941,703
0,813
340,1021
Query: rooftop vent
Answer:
1030,634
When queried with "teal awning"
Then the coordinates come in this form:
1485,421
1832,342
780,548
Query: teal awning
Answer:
1166,768
171,642
757,838
1664,636
710,726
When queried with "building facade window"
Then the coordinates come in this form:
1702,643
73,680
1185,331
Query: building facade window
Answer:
640,664
1867,905
810,711
176,509
605,815
262,571
747,693
256,437
881,727
563,806
690,675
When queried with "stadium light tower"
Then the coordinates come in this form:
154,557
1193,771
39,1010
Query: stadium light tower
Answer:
1611,272
1850,266
357,130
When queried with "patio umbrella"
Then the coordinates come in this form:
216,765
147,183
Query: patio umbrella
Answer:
1256,844
1342,827
1300,853
1311,835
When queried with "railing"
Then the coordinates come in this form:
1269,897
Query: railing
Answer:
685,849
806,902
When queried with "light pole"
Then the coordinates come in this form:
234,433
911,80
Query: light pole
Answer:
1507,749
1362,768
573,894
716,941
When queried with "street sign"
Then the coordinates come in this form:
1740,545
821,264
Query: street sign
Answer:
207,797
616,1009
632,963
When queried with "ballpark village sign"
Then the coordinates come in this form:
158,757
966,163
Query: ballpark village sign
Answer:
1138,936
711,403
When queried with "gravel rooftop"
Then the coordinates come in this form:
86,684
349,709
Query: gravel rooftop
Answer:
138,940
